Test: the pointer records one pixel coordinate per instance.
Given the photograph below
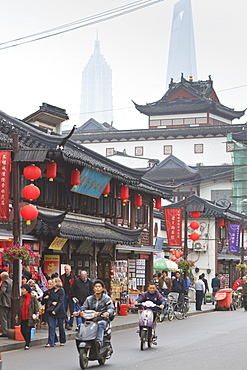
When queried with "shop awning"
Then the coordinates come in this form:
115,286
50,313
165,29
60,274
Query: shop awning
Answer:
228,257
128,249
165,264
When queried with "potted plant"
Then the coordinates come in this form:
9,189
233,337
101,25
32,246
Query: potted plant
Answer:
17,252
242,267
186,265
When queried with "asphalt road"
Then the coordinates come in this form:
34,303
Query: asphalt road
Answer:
216,340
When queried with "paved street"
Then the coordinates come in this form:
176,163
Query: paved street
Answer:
211,340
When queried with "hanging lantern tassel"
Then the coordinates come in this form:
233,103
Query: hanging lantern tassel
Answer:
107,190
75,177
138,201
124,194
51,170
157,203
29,212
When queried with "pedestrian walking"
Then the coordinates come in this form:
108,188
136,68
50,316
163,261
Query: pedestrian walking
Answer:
5,302
68,279
206,287
200,291
56,313
165,283
244,286
222,280
215,284
178,286
82,288
27,313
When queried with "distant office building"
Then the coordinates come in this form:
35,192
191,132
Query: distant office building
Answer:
182,56
96,92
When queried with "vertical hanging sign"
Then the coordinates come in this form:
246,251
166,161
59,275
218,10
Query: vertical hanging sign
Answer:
173,220
234,237
4,184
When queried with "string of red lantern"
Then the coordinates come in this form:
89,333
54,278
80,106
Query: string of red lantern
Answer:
138,201
31,192
29,212
195,214
32,172
194,225
51,170
124,194
157,203
221,222
194,236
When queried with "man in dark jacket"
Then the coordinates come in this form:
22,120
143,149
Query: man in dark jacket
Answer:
82,288
99,302
206,286
68,279
178,286
5,302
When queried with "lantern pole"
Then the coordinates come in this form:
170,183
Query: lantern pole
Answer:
242,241
16,231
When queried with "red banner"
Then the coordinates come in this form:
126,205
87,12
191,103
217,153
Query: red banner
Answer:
173,220
5,166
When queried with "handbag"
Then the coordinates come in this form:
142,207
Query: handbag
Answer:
50,308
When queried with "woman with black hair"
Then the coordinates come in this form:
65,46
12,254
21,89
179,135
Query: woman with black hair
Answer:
27,313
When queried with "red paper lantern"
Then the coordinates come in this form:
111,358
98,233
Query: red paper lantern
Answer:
29,212
194,236
138,201
107,190
31,192
32,172
75,177
157,203
194,225
195,214
51,170
221,222
177,254
124,194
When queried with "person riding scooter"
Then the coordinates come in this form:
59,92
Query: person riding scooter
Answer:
102,303
154,296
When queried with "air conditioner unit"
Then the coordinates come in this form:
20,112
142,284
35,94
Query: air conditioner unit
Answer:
200,247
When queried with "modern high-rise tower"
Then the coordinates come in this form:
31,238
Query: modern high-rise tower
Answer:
182,56
96,91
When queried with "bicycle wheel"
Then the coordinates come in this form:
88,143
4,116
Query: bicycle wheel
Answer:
143,339
161,316
170,313
179,311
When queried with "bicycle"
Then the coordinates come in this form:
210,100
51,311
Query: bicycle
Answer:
181,307
167,311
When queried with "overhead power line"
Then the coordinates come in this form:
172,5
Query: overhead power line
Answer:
94,19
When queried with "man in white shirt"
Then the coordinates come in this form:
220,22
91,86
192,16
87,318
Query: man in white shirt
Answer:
200,291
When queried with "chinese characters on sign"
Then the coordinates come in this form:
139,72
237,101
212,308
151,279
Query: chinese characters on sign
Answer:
51,264
4,184
234,237
57,243
173,220
92,183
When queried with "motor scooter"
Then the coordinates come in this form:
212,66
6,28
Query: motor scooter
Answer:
86,340
147,324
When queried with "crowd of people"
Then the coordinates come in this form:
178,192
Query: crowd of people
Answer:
52,303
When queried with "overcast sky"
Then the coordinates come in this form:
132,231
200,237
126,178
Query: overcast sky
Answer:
135,46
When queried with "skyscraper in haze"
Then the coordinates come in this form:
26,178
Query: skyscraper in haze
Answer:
96,91
182,56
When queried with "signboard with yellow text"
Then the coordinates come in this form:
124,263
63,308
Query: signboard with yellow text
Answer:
51,264
57,243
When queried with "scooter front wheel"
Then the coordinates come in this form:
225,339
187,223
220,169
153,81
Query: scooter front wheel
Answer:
143,339
83,358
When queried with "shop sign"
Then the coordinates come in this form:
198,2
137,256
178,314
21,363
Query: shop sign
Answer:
57,243
173,220
158,243
144,256
4,184
234,237
51,264
92,183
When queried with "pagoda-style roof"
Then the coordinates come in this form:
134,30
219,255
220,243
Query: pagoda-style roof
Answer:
240,136
93,125
156,134
189,97
32,137
85,228
49,114
210,209
173,171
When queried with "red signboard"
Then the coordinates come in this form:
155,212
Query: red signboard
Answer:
144,256
51,264
4,184
173,220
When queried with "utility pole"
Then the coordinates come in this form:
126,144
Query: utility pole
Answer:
185,235
16,231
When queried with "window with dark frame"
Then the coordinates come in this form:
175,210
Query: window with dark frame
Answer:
229,147
139,151
167,149
110,151
198,148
